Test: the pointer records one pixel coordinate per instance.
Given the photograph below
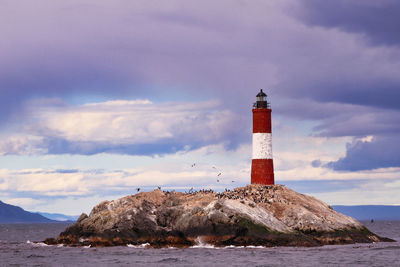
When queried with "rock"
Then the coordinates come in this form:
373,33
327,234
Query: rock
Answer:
253,215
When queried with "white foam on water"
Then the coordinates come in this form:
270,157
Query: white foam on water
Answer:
255,247
37,244
144,245
201,244
232,246
204,246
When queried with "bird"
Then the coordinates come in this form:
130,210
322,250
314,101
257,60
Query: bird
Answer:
138,189
194,164
217,181
159,187
233,181
213,167
219,174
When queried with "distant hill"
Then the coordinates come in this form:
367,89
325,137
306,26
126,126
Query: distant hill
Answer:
59,217
14,214
369,212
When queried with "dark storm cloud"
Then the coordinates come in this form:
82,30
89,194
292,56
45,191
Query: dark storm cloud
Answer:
182,49
379,21
364,81
337,73
162,147
380,152
159,147
55,49
336,120
340,119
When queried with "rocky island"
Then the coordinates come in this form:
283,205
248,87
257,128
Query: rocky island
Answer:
258,215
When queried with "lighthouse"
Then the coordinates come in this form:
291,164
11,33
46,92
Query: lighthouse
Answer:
262,167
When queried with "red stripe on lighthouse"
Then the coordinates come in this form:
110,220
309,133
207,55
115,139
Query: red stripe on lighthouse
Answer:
262,171
261,120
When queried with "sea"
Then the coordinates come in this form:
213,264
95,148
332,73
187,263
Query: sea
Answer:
20,245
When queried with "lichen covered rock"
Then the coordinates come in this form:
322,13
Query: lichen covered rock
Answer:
252,215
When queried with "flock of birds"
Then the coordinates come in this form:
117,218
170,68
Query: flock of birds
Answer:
219,173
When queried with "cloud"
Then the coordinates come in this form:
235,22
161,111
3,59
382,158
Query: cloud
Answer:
19,144
376,20
308,52
334,119
184,50
135,127
97,48
378,152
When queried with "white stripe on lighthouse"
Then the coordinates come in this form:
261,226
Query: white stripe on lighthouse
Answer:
262,146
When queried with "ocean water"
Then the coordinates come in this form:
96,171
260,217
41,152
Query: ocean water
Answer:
19,246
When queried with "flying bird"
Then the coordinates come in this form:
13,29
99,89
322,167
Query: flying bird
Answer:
138,189
194,164
219,174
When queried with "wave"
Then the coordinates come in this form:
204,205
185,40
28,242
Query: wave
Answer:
201,244
37,244
145,245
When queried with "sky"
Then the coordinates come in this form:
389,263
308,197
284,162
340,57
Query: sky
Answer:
98,98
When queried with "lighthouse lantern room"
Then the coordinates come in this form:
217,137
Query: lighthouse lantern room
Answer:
262,167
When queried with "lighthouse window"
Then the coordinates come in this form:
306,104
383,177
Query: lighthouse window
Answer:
261,98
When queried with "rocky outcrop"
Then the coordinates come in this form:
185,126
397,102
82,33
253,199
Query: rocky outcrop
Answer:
252,215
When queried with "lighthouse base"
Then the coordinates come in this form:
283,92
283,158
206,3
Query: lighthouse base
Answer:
262,171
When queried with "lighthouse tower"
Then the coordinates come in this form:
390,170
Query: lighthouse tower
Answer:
262,167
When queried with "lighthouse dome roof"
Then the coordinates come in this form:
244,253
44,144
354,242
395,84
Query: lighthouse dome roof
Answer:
261,93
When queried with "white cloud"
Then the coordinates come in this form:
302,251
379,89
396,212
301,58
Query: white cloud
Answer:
134,122
22,145
106,126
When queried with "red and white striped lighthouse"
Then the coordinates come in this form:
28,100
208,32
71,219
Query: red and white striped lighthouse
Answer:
262,167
